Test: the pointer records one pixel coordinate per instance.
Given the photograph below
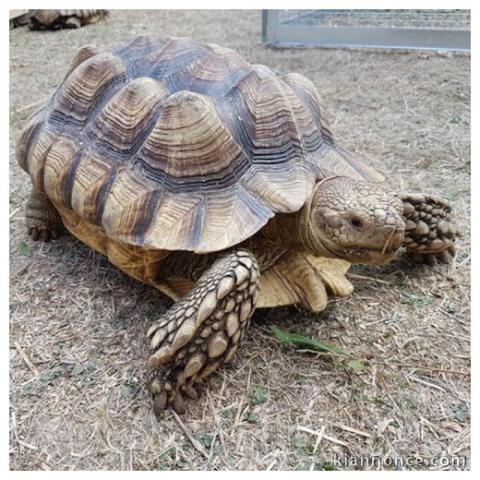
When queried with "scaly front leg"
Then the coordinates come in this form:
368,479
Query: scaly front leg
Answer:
202,330
430,233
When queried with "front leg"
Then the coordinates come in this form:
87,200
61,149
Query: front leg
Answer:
430,233
202,330
41,217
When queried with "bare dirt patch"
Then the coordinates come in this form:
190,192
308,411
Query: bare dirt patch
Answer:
77,326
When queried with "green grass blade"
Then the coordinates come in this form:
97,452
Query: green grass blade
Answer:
302,341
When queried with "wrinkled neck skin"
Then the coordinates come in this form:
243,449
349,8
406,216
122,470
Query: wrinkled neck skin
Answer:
291,230
310,238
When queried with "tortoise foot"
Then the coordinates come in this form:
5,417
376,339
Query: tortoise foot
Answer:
166,392
42,219
430,232
43,233
202,330
446,257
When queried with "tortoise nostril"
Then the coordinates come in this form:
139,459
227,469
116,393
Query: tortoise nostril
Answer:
357,222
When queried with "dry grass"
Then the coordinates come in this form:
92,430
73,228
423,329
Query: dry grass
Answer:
77,351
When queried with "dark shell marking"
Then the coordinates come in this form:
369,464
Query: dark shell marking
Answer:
175,145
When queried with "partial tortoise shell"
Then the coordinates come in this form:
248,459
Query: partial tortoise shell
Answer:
50,17
176,145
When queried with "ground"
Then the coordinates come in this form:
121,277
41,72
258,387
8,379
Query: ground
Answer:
77,325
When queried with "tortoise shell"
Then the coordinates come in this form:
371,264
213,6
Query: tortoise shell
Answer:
176,145
61,18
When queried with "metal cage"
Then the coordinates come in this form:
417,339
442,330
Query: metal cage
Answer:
389,29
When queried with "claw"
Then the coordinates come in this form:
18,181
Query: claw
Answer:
164,395
445,258
179,403
190,392
155,386
417,257
159,403
430,259
45,235
35,234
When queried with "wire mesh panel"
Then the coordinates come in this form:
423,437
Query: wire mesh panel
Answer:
403,29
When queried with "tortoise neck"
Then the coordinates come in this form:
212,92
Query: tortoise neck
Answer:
293,230
283,229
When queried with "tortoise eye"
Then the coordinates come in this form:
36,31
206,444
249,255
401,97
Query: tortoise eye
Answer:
357,222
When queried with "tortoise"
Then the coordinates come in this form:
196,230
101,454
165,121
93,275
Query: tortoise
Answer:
220,184
18,18
56,19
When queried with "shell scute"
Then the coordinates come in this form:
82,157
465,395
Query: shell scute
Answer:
26,141
190,141
78,93
268,118
124,120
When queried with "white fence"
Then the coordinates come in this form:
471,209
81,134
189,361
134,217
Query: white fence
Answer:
397,29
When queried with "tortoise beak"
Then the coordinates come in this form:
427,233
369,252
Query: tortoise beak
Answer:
394,239
380,247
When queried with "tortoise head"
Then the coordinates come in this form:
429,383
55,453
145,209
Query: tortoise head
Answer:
353,220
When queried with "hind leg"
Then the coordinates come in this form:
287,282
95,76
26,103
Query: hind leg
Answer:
430,233
42,219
